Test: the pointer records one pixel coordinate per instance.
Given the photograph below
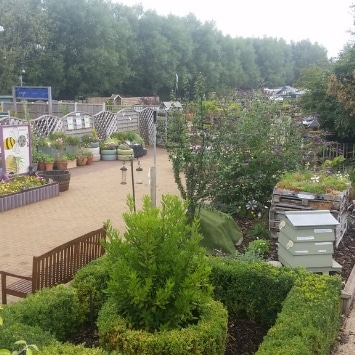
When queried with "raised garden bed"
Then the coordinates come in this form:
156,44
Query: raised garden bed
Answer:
29,196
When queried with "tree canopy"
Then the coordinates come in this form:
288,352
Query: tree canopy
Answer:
94,48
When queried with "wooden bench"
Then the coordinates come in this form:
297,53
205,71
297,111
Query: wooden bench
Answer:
57,266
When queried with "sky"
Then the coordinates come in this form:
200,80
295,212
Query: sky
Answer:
326,22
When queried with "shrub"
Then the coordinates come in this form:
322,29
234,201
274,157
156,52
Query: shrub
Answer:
91,279
12,332
311,316
259,247
242,288
56,310
159,274
208,336
69,349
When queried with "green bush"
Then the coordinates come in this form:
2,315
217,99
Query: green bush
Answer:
12,332
159,274
208,336
259,246
91,279
69,349
56,310
253,291
311,316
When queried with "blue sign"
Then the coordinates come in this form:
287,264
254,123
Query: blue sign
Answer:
33,93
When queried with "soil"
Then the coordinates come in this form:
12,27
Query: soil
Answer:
245,336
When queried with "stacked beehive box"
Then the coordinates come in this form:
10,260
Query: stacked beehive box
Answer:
286,200
306,239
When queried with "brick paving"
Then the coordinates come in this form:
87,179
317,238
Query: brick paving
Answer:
95,195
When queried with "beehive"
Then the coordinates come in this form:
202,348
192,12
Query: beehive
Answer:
306,239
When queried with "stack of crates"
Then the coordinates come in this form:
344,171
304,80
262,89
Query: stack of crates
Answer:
306,239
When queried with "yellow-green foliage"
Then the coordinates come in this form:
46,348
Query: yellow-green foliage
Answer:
69,349
56,310
208,336
310,319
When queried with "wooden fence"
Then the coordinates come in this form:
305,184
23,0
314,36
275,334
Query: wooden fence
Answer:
82,123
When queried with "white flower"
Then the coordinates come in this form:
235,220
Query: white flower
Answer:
251,205
315,178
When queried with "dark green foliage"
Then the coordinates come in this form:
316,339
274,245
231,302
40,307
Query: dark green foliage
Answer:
208,336
253,291
159,274
90,48
259,230
56,310
91,279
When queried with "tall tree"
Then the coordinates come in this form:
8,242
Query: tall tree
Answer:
23,42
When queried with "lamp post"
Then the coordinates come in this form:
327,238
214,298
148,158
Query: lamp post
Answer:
153,169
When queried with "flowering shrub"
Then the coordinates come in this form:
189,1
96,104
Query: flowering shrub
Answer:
20,183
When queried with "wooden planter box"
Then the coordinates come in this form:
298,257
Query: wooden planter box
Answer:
286,200
29,196
71,164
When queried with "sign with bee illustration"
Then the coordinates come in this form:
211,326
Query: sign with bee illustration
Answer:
15,149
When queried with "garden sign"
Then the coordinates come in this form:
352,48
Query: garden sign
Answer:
15,149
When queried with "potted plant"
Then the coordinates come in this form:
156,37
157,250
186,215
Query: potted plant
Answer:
71,160
125,152
81,157
36,158
48,162
89,157
108,150
61,162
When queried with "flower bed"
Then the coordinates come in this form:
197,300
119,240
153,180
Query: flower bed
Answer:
24,190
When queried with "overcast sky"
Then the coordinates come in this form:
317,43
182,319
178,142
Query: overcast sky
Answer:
324,21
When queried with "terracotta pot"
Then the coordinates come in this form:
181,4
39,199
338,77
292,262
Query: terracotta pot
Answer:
41,166
81,161
62,164
49,166
89,160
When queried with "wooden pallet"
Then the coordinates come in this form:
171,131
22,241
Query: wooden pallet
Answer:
286,200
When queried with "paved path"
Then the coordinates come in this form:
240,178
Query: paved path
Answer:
95,195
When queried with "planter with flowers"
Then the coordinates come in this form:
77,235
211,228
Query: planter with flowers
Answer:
23,190
310,190
108,150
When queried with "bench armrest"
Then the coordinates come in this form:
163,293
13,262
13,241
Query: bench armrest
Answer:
5,273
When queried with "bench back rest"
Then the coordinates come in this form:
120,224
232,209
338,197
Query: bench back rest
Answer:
59,265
